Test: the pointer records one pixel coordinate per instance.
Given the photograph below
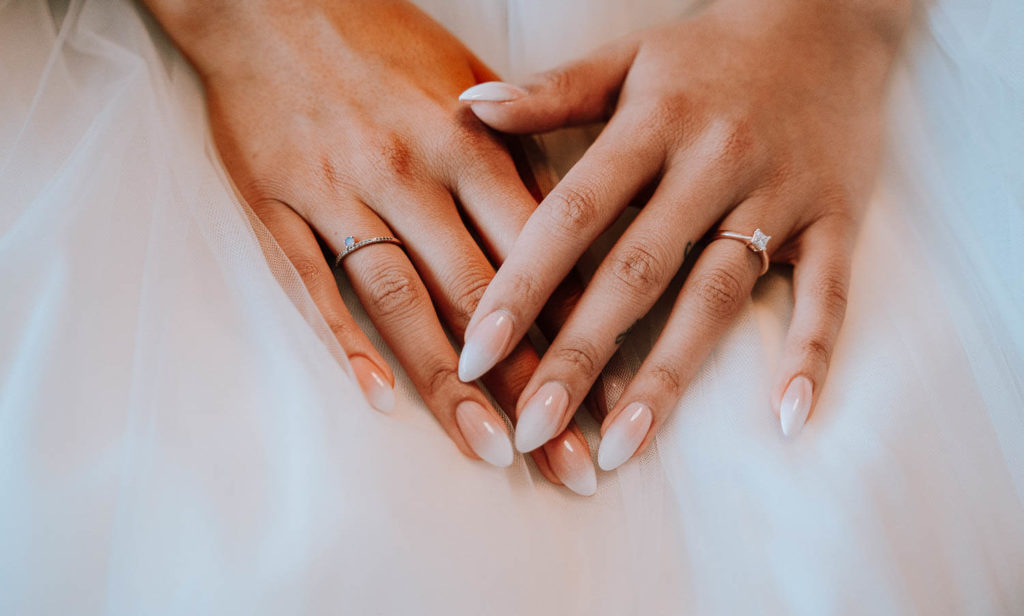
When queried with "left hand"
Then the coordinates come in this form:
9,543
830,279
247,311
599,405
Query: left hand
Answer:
339,119
751,115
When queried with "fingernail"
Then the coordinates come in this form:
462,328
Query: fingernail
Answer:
541,416
492,91
378,390
570,460
796,404
485,345
624,436
484,433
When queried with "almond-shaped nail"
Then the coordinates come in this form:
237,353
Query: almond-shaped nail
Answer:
570,460
378,391
484,433
796,404
492,92
624,435
541,416
485,345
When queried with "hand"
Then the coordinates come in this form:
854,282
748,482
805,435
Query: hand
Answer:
751,115
339,119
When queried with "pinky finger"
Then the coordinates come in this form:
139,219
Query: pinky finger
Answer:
821,279
299,244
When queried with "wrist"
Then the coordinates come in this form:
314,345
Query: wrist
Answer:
875,22
214,34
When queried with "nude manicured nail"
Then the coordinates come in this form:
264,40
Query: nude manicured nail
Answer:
796,404
484,433
624,435
541,416
493,92
377,389
485,345
570,460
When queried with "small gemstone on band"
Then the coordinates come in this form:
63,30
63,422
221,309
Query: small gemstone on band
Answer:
349,241
759,240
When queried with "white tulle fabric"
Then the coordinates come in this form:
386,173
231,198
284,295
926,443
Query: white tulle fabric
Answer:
180,434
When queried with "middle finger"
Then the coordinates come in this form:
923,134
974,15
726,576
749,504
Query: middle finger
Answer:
456,272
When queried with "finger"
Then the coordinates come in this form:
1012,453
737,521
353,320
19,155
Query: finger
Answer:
628,282
584,203
821,279
299,244
712,296
489,188
580,92
498,205
399,306
456,272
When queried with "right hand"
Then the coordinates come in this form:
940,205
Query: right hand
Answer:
339,119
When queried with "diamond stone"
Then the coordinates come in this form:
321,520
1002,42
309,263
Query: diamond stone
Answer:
759,240
349,241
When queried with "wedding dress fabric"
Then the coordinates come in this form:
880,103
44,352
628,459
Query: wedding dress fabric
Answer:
180,434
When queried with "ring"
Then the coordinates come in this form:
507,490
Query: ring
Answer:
351,245
757,243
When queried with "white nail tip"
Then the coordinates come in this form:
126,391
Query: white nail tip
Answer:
379,393
541,417
795,406
573,467
485,345
492,91
383,398
485,435
583,483
624,436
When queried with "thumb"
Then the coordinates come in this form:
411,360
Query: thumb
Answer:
580,92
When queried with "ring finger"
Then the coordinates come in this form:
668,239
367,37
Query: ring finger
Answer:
397,302
713,294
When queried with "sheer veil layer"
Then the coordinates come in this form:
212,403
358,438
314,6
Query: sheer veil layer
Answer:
179,433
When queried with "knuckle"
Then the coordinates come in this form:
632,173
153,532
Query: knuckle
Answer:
665,117
838,201
638,267
733,140
468,136
720,294
390,155
573,208
393,291
831,293
579,355
332,174
440,375
262,193
311,272
525,287
342,329
666,378
555,81
468,293
816,350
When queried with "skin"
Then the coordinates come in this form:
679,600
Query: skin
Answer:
750,114
339,119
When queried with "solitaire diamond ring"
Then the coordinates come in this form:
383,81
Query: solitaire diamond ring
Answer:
757,243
